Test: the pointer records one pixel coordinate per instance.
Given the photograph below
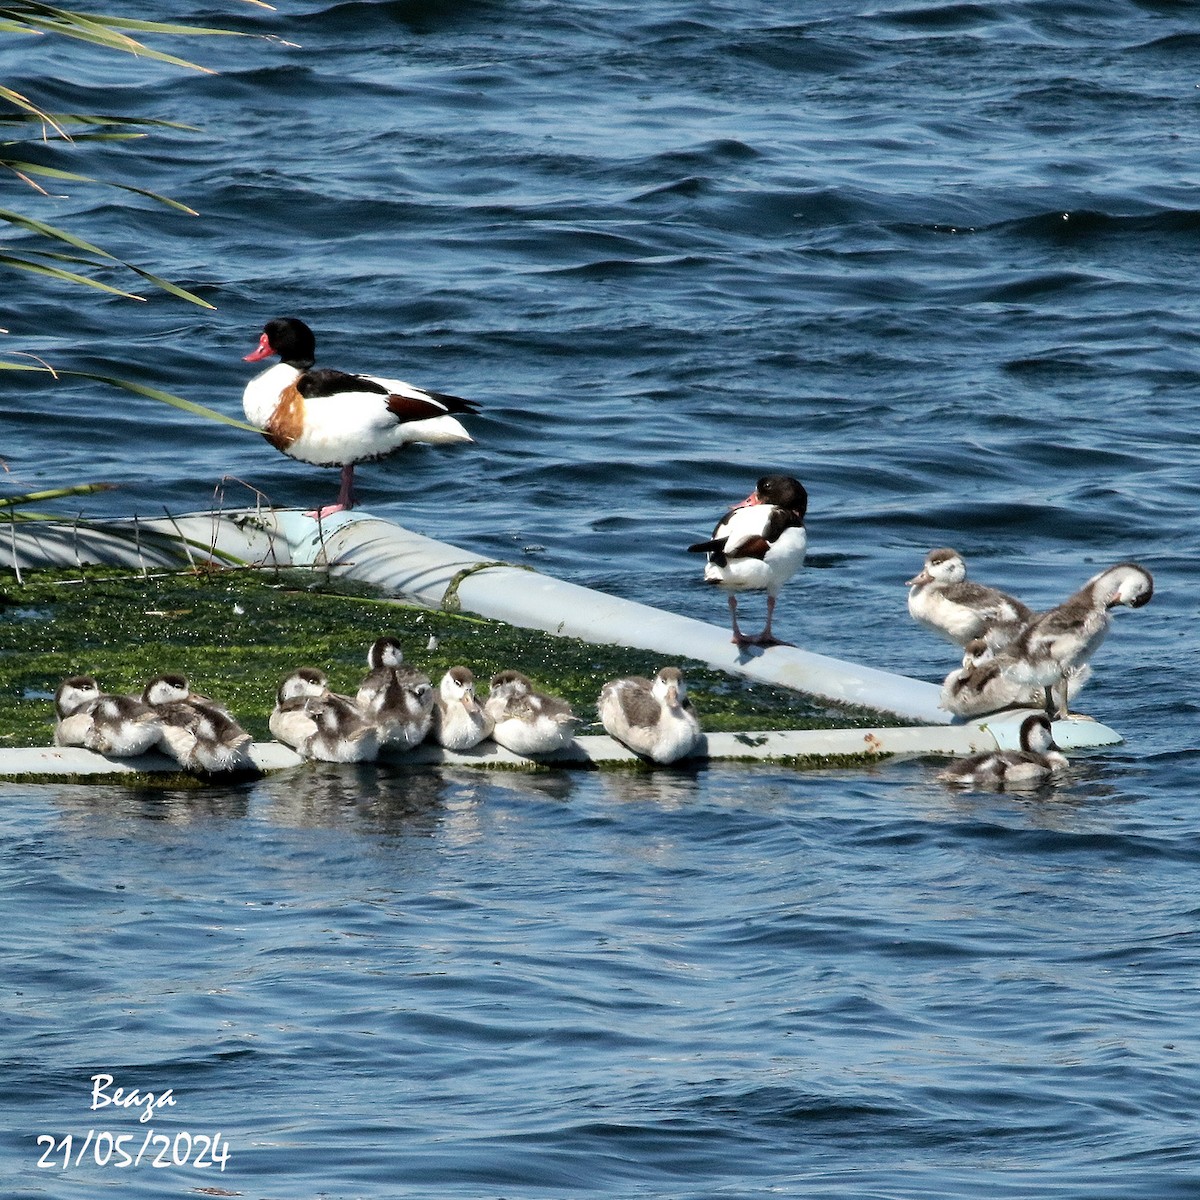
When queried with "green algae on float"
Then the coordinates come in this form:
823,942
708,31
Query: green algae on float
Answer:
236,633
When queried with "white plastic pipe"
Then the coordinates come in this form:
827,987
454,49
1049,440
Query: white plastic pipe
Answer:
420,570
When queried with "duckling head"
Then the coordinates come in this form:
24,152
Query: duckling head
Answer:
943,566
302,684
458,687
384,652
166,689
510,683
1037,734
669,687
1128,584
74,693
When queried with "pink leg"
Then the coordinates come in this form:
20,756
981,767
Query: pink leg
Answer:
345,500
739,638
767,638
346,495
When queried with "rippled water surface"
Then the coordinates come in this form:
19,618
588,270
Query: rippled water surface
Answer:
940,261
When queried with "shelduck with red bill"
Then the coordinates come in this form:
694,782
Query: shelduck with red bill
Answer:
337,419
758,546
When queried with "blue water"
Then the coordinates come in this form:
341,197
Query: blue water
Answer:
938,260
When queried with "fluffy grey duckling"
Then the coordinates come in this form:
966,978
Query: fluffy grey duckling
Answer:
524,721
1061,641
1037,761
459,720
397,698
944,600
197,732
653,718
320,724
119,726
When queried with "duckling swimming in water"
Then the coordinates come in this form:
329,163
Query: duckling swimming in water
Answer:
459,720
524,721
120,726
397,698
944,600
1061,641
197,732
655,719
1036,762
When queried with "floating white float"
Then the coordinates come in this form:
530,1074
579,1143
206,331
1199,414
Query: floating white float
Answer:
416,569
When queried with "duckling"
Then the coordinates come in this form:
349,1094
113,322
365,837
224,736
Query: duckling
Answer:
1064,639
981,686
656,719
320,724
942,599
73,709
341,734
397,698
1037,761
459,720
524,721
197,732
120,726
291,720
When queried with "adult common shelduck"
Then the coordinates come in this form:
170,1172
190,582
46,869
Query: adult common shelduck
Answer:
1037,760
525,721
335,419
197,732
1059,642
943,599
758,546
459,720
655,719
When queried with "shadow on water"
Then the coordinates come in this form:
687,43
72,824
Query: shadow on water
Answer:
369,798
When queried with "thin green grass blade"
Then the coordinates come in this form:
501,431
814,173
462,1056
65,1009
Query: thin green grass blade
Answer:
173,288
21,264
28,168
81,489
52,231
71,240
139,389
37,117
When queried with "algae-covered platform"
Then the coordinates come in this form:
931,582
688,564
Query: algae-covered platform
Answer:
235,601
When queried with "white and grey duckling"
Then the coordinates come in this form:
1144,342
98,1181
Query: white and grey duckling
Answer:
396,698
1058,643
320,724
459,720
525,721
120,726
1037,761
200,734
758,545
653,718
944,600
981,686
